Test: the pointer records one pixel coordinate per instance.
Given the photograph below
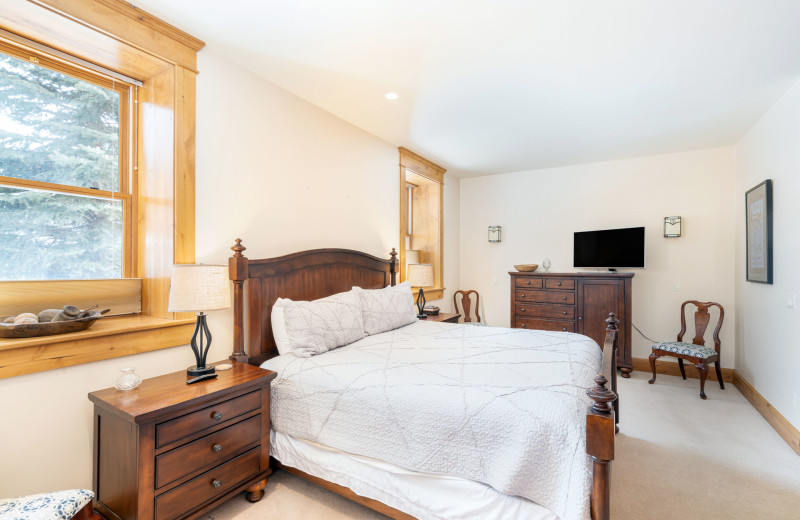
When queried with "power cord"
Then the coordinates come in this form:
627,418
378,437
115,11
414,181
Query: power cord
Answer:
642,333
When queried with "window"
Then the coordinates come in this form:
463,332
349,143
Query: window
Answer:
421,223
65,195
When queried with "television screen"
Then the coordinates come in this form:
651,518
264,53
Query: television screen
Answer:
609,248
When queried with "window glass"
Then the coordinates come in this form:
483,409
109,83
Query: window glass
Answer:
57,128
58,236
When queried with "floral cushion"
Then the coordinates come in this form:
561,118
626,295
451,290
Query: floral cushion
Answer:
60,505
688,349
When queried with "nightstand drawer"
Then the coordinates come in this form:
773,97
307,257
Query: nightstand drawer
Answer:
566,312
526,282
561,284
566,298
533,324
175,429
206,451
177,502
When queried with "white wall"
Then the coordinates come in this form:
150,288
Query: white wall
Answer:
272,169
539,211
767,353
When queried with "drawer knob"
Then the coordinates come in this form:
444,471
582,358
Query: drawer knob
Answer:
528,282
580,317
564,313
217,448
563,297
559,284
523,309
216,483
217,416
564,329
523,325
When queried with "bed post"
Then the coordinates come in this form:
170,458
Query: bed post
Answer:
238,273
393,266
601,425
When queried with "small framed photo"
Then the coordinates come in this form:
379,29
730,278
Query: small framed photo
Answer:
758,205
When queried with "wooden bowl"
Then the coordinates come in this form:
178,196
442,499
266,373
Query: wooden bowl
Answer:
32,330
526,268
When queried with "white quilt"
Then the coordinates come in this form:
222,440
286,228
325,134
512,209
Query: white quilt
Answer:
505,407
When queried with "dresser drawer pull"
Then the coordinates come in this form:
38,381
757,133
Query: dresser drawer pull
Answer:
216,483
522,309
217,448
217,416
564,313
559,284
580,318
564,298
528,282
564,329
523,325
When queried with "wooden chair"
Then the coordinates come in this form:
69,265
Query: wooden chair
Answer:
466,303
695,352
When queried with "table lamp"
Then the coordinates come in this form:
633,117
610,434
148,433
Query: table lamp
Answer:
420,275
199,288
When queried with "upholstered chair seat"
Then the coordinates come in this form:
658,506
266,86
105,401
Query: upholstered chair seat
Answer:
59,505
687,349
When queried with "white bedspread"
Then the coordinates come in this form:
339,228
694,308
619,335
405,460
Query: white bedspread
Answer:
505,407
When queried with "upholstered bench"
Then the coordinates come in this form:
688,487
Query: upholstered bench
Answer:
73,504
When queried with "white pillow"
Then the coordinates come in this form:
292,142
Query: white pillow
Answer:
316,327
388,308
278,321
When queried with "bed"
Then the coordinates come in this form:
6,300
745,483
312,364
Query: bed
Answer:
362,420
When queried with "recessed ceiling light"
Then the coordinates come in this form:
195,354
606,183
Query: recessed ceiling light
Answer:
391,96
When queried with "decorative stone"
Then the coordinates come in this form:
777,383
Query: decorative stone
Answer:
27,316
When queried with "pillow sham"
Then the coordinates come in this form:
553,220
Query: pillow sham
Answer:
386,309
278,320
318,326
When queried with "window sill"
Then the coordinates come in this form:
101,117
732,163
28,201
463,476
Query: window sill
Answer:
106,339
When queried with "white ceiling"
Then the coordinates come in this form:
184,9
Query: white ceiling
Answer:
499,86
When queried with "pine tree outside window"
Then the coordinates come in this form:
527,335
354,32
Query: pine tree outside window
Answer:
65,201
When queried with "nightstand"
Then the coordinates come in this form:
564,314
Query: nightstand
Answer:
444,317
169,450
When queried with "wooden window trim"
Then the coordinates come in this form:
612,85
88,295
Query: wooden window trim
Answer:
432,171
122,38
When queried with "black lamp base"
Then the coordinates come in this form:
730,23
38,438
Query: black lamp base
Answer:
194,371
422,316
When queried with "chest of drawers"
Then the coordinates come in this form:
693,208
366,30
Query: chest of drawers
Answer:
575,302
167,450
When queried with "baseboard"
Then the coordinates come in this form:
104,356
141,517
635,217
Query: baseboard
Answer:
784,428
670,368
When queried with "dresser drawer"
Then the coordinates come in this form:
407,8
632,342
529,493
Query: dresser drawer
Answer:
207,451
175,429
178,501
566,298
560,284
526,281
534,324
565,312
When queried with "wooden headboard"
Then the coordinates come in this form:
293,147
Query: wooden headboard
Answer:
304,276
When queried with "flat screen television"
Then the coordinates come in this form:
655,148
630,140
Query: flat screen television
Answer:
609,248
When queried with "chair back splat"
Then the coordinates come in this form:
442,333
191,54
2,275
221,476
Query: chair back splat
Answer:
466,303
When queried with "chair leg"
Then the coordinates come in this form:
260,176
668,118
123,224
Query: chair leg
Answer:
653,358
719,375
703,368
683,371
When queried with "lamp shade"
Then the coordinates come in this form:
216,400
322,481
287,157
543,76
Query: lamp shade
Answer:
412,256
420,275
195,288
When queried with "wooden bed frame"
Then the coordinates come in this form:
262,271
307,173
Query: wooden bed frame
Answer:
309,275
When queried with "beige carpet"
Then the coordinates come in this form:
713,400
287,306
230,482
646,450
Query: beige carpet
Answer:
677,458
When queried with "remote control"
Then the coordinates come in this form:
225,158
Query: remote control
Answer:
200,378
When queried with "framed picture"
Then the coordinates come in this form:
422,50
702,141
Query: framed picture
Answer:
758,205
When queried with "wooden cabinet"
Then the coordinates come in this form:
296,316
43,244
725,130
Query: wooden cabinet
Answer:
167,450
575,302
